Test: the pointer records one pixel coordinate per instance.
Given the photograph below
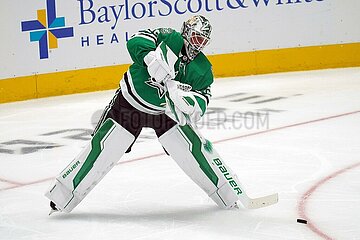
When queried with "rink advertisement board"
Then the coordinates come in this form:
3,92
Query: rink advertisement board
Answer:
77,39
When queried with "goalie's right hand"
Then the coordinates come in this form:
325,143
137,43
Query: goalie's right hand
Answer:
157,66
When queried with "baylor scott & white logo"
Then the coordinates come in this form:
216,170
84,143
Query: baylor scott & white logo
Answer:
47,29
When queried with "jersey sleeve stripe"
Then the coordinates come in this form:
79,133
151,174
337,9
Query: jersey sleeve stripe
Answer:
148,33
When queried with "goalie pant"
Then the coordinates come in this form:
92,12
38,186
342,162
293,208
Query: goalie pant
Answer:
117,130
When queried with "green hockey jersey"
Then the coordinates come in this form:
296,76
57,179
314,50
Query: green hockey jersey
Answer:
149,96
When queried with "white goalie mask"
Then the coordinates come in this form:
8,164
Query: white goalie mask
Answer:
196,32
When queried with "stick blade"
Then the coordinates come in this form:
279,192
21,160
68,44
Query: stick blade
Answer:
261,202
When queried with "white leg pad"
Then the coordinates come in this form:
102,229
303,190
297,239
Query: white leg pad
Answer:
200,161
105,149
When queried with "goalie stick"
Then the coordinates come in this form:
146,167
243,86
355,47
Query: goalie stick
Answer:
246,201
254,203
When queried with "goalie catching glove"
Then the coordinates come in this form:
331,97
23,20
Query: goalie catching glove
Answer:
182,103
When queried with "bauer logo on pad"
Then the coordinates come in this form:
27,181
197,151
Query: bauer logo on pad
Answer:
47,29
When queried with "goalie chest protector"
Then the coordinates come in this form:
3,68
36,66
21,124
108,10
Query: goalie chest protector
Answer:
149,96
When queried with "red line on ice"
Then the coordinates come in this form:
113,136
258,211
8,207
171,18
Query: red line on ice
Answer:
288,126
308,193
9,181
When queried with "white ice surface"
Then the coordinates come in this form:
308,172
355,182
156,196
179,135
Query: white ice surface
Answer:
305,141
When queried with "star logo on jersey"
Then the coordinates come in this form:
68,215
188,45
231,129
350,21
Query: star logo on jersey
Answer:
47,29
159,87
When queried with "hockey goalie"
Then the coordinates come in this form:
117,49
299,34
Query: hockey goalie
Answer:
167,88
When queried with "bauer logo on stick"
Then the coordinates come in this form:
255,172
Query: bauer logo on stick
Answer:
227,176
